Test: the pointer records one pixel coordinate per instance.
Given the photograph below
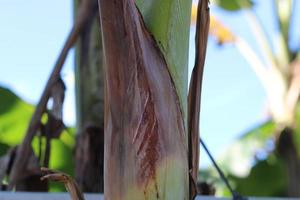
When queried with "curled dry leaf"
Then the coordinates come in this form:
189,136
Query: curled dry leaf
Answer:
68,181
54,125
58,96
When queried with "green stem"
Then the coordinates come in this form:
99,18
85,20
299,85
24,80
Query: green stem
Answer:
283,10
261,37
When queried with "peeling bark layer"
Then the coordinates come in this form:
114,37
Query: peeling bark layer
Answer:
169,22
145,150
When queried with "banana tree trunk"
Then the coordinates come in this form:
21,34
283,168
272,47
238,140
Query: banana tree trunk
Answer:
89,107
146,139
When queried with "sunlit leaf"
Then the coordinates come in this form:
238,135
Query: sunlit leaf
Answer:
234,5
14,118
242,153
261,180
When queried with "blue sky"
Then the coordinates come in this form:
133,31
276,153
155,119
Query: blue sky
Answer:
32,33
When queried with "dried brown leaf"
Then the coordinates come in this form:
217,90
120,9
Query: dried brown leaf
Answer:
194,98
58,96
68,181
86,11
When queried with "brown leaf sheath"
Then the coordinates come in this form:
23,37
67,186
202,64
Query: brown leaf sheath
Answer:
144,129
195,93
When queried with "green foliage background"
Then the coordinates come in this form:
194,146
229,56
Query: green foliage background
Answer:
14,119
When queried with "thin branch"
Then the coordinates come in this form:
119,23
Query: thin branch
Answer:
261,37
293,92
253,59
23,151
272,81
284,13
283,31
